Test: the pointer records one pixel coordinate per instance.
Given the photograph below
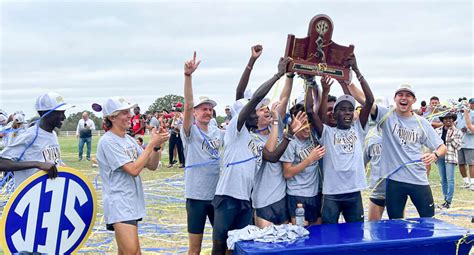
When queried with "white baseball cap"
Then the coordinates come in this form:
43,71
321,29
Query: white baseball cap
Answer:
238,105
342,98
50,101
114,104
204,100
406,87
20,118
264,102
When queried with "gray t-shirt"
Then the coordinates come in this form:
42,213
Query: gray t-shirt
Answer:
154,122
343,163
123,196
44,149
468,138
201,150
242,158
402,141
270,184
372,153
305,183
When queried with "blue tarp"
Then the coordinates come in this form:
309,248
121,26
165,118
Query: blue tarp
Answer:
411,236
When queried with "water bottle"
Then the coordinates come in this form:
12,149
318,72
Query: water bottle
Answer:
299,215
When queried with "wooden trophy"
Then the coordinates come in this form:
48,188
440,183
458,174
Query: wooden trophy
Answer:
317,54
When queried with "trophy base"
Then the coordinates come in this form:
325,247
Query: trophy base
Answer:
335,72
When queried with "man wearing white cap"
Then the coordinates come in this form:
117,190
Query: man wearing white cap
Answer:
403,136
14,129
37,148
202,142
121,161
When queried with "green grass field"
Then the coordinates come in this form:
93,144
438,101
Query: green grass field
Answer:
164,228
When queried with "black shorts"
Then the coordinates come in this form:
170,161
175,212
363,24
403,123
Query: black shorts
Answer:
276,213
311,205
229,214
197,210
378,201
398,193
349,204
129,222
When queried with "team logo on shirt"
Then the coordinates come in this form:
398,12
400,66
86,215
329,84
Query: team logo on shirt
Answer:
49,216
406,136
211,146
51,154
376,150
346,141
132,153
256,149
304,153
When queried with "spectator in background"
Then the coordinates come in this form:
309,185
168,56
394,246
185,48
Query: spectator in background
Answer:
137,123
228,115
154,123
84,133
141,143
466,153
175,125
422,109
452,138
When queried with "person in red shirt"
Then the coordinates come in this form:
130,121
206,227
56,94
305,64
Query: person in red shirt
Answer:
137,123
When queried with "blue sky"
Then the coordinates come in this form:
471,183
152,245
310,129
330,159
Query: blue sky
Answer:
88,51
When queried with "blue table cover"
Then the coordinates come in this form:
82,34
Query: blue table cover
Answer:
411,236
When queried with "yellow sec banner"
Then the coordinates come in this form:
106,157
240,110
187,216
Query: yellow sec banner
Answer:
53,216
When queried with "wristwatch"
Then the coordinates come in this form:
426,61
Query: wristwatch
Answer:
436,154
288,136
157,148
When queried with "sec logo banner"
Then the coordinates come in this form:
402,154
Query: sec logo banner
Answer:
49,216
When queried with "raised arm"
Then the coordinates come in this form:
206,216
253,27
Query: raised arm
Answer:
369,98
285,93
189,67
326,83
295,125
313,118
261,92
244,80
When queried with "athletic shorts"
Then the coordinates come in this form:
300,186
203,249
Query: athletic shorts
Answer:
466,157
311,205
129,222
197,210
229,214
349,204
276,213
379,191
378,201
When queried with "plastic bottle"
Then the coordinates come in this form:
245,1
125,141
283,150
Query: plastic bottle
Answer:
299,213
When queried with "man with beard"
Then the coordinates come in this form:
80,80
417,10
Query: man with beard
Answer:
202,142
38,147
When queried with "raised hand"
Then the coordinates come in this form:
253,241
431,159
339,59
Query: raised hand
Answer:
298,122
326,82
351,62
256,51
282,64
191,65
275,110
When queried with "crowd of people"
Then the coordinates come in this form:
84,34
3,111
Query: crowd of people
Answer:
264,159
